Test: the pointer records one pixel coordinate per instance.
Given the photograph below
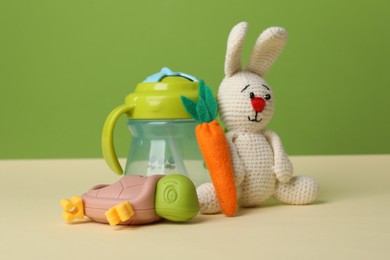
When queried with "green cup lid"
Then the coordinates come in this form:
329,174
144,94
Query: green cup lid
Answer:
158,97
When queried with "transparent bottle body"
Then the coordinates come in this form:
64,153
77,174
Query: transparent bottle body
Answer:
165,147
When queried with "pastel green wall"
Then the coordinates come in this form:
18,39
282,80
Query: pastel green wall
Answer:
64,65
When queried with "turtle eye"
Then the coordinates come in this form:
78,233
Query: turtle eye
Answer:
252,95
267,97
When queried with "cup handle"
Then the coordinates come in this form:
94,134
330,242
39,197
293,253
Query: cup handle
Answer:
108,148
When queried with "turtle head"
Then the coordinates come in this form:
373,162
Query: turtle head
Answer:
176,198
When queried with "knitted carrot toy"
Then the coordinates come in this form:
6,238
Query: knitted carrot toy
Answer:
214,147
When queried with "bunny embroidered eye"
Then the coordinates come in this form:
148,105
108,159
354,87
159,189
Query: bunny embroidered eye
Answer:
267,97
265,86
252,95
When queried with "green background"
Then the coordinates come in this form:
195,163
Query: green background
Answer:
64,65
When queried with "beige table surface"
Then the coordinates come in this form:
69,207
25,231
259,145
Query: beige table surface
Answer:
350,220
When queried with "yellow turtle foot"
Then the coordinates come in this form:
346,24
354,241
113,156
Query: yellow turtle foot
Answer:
74,209
121,212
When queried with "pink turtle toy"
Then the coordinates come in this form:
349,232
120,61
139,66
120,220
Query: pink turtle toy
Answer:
135,200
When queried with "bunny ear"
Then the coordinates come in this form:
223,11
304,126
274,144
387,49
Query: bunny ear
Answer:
267,48
234,47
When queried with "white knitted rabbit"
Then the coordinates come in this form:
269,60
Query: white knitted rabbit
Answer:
246,103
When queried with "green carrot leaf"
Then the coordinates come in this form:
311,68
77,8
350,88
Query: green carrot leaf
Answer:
202,89
206,109
203,113
211,102
190,106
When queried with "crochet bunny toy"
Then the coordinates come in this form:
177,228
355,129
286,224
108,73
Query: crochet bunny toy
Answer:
246,104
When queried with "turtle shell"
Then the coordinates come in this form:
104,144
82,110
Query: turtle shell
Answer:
138,190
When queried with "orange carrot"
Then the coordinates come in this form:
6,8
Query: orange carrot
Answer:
214,148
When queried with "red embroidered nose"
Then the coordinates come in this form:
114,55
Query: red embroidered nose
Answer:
258,104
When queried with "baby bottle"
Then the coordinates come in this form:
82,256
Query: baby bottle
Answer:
163,133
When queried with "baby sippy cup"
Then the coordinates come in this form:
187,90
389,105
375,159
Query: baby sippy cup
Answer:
163,133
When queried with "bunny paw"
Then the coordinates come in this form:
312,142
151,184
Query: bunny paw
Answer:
300,190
